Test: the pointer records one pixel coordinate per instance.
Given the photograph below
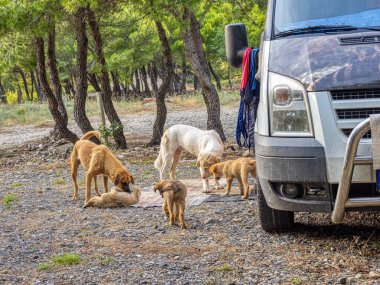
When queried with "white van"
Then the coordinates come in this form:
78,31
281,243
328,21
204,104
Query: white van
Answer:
319,70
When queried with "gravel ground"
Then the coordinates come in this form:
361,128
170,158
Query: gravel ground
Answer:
223,245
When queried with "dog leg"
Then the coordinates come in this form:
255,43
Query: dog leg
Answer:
165,166
171,212
176,159
206,186
228,186
105,183
74,170
217,184
89,177
165,210
96,185
241,186
244,179
181,210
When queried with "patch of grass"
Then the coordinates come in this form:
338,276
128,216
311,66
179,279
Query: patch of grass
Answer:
43,266
296,280
200,208
8,199
224,268
105,260
67,259
59,181
146,172
16,185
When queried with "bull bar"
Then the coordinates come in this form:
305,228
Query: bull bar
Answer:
350,160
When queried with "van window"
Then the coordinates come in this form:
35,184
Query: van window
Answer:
298,14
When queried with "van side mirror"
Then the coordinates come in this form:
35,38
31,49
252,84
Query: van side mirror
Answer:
236,41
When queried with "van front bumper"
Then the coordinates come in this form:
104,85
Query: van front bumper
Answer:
299,161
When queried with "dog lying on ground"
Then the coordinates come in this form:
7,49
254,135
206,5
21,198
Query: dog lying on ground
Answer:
97,160
174,193
206,145
115,198
238,169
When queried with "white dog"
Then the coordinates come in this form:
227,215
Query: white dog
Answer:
206,145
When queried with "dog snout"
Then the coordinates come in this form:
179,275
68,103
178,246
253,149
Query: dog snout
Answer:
125,187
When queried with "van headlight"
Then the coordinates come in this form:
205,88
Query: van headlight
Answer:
288,103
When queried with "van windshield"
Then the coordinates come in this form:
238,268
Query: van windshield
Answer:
301,14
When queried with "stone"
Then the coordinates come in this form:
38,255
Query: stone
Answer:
342,280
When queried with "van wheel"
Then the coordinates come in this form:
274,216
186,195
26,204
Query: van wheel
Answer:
272,220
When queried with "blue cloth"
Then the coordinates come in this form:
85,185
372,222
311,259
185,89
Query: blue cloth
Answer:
250,97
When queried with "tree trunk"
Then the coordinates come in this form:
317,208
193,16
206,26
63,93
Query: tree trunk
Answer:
94,82
116,85
153,78
54,76
158,127
52,102
19,93
36,83
105,82
145,81
184,75
216,77
32,89
196,83
23,77
81,77
2,90
195,53
137,78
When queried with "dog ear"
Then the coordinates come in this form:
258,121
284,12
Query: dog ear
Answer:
213,168
132,180
117,180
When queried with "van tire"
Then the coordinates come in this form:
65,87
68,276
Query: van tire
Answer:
272,220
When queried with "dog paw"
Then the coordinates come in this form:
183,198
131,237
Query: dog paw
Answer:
225,194
218,187
206,191
244,197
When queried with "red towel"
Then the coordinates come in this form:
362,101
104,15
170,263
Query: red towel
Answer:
245,68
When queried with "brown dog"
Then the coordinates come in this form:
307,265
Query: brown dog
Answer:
174,193
238,169
115,198
97,159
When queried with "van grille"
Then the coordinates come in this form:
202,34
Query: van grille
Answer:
351,107
347,132
356,113
360,40
355,94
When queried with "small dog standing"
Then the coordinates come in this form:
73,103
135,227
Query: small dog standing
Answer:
174,193
238,169
115,198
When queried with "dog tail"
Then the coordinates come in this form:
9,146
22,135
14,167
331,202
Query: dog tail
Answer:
91,134
164,143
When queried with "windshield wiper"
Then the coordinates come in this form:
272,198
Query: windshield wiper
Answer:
314,29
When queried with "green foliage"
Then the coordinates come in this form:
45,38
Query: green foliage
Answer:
107,132
8,199
224,268
67,259
43,266
16,185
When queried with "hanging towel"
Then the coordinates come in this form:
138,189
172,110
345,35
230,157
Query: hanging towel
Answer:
250,95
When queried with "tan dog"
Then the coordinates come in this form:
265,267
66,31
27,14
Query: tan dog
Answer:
174,193
238,169
115,198
97,159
